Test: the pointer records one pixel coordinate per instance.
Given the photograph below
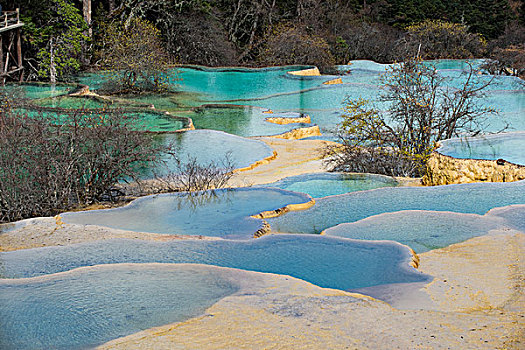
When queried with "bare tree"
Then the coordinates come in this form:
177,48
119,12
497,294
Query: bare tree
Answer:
420,110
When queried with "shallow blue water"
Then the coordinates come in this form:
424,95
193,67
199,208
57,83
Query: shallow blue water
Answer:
420,230
325,261
139,119
328,184
208,146
465,198
509,146
88,307
513,215
222,213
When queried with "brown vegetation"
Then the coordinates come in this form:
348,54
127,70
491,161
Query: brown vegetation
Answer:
292,44
49,164
134,57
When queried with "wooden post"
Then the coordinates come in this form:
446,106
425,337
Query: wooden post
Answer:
2,58
1,54
19,54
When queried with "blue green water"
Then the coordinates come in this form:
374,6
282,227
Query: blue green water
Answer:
273,88
221,213
141,119
329,262
420,230
509,146
476,198
228,83
233,84
88,307
329,184
198,143
240,120
69,102
514,216
36,90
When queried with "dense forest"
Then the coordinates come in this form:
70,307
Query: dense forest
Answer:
62,37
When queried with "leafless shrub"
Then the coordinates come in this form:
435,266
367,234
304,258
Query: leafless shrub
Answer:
190,175
50,163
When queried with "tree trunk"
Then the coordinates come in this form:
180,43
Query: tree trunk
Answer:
86,9
52,68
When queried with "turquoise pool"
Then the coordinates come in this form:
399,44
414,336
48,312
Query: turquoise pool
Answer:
509,146
476,198
197,144
275,89
70,102
216,84
221,213
87,307
328,184
36,90
142,119
79,296
329,262
419,229
240,120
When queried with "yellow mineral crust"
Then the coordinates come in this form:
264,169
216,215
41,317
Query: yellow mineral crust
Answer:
289,120
335,81
444,170
299,133
290,207
306,72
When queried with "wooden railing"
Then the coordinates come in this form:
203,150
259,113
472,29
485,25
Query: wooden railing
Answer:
9,18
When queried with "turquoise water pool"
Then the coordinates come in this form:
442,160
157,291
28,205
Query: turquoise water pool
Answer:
207,146
273,88
87,307
83,308
328,184
476,198
36,90
227,83
509,146
329,262
419,229
69,102
514,216
221,213
142,119
240,120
